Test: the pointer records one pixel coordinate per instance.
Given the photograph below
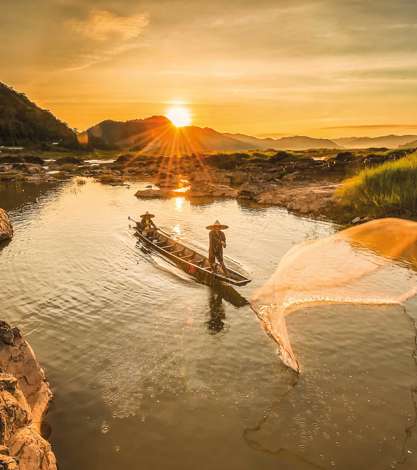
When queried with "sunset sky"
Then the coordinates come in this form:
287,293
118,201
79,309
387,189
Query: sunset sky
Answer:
266,67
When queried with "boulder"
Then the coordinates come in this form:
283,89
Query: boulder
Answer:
7,462
344,157
311,200
212,190
32,450
24,398
11,159
6,229
114,180
238,178
249,191
34,160
153,193
123,159
68,161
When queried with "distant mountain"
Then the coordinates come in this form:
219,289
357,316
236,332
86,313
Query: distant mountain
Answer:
157,135
254,142
286,143
388,141
24,123
410,145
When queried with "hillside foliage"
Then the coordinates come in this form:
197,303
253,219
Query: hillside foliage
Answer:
23,123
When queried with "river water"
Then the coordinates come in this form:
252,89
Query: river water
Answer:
152,370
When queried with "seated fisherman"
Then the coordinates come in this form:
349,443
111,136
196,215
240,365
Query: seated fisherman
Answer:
146,224
217,241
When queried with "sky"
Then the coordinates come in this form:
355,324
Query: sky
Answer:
324,68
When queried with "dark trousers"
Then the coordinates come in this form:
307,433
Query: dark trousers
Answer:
217,255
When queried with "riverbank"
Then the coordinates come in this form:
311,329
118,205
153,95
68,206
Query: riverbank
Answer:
24,400
305,182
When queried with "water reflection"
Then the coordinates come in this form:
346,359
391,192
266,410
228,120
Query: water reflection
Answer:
73,280
217,312
15,196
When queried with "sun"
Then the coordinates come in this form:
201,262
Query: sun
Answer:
180,116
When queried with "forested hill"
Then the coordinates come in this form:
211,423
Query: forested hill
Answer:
23,123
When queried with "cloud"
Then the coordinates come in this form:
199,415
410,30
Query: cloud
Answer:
102,25
105,35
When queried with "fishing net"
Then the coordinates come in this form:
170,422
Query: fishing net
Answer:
374,263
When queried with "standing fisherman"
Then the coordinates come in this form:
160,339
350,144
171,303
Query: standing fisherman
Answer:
217,240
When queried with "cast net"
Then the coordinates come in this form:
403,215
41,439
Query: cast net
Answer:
374,263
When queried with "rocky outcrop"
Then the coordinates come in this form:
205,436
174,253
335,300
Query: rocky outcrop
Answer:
6,229
24,399
212,190
313,200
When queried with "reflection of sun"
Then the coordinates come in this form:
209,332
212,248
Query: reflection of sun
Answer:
179,203
180,116
177,230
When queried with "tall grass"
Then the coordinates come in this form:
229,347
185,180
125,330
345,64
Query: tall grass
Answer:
389,187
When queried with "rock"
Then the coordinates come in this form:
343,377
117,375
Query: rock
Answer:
344,157
153,193
6,229
6,333
114,180
309,200
212,190
238,178
68,161
248,191
123,159
34,160
8,463
11,159
283,157
356,220
32,450
24,398
31,159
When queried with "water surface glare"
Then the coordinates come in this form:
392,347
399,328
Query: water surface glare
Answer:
152,370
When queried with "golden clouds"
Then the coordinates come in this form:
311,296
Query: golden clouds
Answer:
103,25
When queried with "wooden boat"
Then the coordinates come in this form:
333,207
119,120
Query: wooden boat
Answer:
188,259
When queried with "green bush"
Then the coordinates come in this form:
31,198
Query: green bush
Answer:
391,186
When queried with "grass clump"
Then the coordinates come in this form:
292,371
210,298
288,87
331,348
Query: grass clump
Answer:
390,187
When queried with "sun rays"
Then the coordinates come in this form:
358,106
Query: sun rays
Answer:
169,143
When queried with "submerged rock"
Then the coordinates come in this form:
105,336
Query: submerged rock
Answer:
153,193
24,399
6,229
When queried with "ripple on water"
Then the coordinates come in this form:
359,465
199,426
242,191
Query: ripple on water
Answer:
134,348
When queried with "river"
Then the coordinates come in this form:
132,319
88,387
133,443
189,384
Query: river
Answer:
152,370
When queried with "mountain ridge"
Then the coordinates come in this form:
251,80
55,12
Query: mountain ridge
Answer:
22,122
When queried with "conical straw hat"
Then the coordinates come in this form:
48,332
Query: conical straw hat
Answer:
217,226
147,214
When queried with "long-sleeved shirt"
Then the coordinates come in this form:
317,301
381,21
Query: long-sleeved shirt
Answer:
216,237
